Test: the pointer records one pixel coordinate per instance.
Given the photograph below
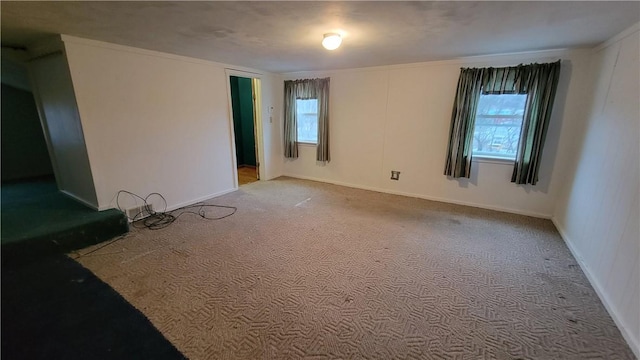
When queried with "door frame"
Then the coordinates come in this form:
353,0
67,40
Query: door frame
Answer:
256,87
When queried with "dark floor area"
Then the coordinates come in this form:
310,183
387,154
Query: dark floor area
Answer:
36,218
52,307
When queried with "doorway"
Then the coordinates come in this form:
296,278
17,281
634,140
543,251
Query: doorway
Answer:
244,98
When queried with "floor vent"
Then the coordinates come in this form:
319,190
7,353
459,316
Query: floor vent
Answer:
139,212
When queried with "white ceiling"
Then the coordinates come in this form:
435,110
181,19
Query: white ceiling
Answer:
286,36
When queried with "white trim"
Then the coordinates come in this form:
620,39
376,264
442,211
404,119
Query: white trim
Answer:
538,55
139,51
492,160
257,119
509,58
242,73
431,198
627,32
258,133
82,201
199,199
232,130
606,301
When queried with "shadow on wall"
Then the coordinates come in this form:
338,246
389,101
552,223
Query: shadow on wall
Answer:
24,150
473,178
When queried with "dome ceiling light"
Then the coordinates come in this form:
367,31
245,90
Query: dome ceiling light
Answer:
331,41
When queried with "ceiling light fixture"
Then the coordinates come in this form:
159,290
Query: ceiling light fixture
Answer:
331,41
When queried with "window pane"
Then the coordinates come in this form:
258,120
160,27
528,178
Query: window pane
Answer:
307,117
497,126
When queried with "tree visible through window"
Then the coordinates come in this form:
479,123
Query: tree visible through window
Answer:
307,120
497,125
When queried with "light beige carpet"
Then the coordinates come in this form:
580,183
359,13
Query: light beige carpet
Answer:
306,270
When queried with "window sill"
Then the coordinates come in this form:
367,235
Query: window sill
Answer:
307,144
492,160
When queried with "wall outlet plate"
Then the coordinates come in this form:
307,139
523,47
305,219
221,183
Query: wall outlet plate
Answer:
395,175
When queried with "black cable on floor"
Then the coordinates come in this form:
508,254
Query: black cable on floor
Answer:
161,219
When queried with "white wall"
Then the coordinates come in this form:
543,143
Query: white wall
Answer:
155,122
273,132
54,95
271,137
598,212
398,117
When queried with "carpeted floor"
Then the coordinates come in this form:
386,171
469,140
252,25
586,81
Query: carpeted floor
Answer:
311,270
36,215
53,308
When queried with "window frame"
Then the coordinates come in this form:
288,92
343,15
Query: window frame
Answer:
307,143
488,158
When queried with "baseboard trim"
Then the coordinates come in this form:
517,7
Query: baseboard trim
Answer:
199,199
608,304
431,198
81,200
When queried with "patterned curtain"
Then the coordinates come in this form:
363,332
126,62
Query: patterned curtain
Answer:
306,89
290,122
538,81
458,163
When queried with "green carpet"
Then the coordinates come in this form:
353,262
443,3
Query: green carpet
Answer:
53,307
38,215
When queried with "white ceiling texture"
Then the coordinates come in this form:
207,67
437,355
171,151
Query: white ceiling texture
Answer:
285,36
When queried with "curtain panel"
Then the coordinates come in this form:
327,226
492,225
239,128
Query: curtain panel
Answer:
538,81
306,89
290,123
458,163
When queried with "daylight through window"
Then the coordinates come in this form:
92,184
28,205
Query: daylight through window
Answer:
497,125
307,119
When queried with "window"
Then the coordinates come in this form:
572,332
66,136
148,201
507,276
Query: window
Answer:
497,125
307,119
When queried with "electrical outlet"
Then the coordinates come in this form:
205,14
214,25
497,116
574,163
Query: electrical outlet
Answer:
395,175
